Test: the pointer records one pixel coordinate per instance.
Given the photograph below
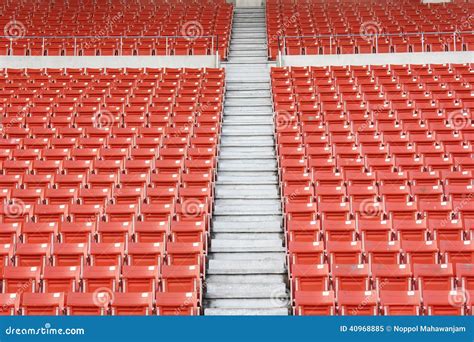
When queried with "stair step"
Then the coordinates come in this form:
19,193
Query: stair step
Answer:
248,53
251,304
236,256
260,141
244,290
248,279
247,267
246,165
247,246
220,226
246,312
248,86
245,219
247,236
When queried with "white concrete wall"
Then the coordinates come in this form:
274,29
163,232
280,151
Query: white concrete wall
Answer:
379,59
248,3
435,1
108,61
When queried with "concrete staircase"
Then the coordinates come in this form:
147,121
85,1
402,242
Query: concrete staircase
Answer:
246,268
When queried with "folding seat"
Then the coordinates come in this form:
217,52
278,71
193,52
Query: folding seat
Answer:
354,277
121,212
71,232
20,279
28,196
434,277
185,254
357,303
189,231
85,212
87,304
93,196
10,181
151,231
60,196
306,212
156,212
10,232
334,211
32,254
374,227
16,167
337,230
465,211
176,304
140,278
329,194
381,252
305,253
77,167
25,155
458,192
44,304
69,254
106,253
181,279
102,181
100,279
457,252
131,303
392,277
443,229
443,302
344,252
39,232
420,252
10,304
118,232
358,179
310,277
61,279
401,210
395,303
328,179
315,303
300,231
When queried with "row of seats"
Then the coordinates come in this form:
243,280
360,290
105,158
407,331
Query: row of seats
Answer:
139,27
329,27
99,303
94,208
376,199
383,302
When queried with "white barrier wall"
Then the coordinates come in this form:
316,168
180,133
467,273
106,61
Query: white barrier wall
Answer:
108,61
248,3
379,59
